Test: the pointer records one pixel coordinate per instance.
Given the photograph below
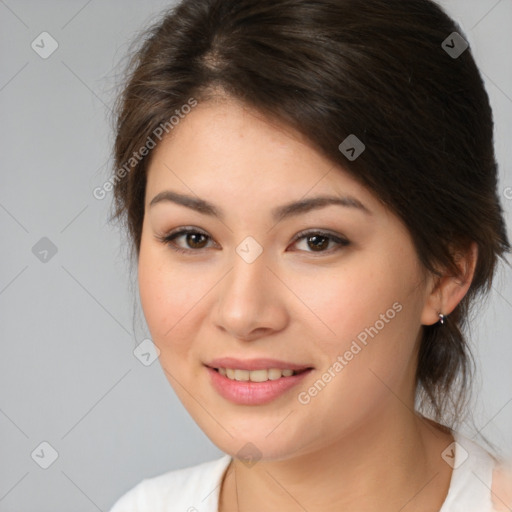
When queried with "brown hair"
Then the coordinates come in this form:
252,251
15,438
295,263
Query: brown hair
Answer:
331,68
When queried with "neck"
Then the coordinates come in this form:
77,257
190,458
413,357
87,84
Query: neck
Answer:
393,463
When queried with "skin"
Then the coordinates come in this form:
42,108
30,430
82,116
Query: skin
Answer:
502,487
358,444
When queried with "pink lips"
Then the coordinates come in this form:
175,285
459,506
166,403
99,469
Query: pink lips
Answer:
255,364
253,393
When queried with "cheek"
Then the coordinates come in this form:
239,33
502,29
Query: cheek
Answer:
362,294
169,295
370,316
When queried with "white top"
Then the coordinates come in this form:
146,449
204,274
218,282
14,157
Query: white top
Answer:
197,488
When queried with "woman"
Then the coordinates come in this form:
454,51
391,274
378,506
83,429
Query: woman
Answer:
310,189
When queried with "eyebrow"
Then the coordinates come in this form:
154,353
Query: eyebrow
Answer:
278,214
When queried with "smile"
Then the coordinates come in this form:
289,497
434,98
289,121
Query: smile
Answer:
254,387
256,375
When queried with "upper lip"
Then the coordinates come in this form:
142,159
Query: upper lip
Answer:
255,364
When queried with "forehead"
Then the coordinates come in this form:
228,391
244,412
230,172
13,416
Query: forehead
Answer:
231,152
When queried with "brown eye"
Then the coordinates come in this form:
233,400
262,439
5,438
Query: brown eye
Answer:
317,243
320,242
192,240
196,240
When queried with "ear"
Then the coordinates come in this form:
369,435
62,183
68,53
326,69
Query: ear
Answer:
445,292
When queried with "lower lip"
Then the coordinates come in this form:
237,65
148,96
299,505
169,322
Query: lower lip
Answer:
253,393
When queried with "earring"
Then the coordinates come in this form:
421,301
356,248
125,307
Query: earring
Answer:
442,318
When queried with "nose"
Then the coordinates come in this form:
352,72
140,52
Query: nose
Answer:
250,301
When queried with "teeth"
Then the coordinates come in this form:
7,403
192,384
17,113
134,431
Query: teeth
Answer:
255,375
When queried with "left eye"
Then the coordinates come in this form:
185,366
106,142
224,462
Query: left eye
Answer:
319,241
194,240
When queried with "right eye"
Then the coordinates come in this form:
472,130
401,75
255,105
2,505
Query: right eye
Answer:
191,237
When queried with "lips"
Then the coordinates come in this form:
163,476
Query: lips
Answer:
256,364
234,379
254,393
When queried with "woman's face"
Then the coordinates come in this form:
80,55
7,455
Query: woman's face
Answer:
346,299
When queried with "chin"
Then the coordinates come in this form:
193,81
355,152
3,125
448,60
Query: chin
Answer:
254,438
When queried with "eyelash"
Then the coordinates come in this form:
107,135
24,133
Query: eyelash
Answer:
168,239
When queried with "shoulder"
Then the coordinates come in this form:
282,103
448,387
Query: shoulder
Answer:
183,489
472,472
502,487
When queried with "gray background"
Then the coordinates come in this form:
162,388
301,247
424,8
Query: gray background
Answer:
68,375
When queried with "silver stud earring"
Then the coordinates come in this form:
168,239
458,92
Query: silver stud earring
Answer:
442,318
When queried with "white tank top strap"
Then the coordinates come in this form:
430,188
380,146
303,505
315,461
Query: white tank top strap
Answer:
471,482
